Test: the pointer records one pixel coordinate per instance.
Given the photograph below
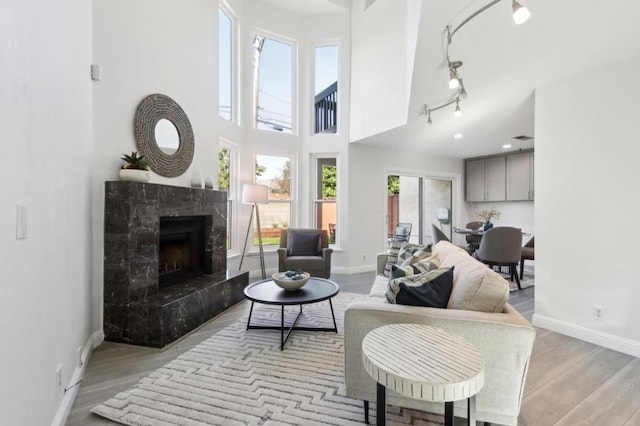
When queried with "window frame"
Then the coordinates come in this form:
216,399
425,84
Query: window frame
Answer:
339,100
294,80
316,159
292,198
232,193
235,107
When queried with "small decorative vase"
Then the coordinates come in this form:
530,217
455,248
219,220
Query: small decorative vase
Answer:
487,225
135,175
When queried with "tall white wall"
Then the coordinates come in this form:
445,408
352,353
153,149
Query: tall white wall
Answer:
587,202
146,47
383,39
47,151
367,196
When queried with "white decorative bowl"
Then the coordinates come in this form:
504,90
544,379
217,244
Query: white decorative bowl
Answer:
135,175
287,283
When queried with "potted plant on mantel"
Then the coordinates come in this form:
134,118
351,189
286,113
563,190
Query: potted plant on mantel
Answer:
135,169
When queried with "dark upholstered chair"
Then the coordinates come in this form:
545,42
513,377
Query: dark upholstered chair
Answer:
403,232
473,241
305,249
437,235
502,246
527,253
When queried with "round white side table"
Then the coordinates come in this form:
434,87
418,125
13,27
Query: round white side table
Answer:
423,362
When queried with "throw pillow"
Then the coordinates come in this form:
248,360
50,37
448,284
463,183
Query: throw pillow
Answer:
303,244
407,269
430,289
409,251
392,257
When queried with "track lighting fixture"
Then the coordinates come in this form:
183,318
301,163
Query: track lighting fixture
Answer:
454,80
520,15
462,92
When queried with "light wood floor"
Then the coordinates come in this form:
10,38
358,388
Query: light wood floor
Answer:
570,382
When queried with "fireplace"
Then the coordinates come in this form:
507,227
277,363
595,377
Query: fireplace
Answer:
165,262
181,254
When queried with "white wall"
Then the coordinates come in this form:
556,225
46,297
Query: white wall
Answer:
368,167
45,105
587,202
146,47
383,39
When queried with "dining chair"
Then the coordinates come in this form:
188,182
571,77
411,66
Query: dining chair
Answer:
527,253
473,241
403,232
502,246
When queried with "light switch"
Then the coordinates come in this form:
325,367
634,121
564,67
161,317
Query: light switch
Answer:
96,72
21,222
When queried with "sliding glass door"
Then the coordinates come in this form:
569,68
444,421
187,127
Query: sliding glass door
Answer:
419,201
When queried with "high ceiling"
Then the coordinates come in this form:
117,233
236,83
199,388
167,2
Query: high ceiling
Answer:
503,65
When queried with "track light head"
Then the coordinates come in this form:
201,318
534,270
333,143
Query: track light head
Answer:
520,13
454,80
458,112
462,92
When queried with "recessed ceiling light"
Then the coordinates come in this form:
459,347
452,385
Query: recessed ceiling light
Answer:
458,135
506,146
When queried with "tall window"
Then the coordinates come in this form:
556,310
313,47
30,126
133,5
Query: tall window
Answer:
225,68
325,207
226,172
275,172
326,90
272,84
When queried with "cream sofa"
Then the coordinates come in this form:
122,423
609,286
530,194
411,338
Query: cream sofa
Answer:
477,310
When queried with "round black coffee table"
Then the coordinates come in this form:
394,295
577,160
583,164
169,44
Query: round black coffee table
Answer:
268,292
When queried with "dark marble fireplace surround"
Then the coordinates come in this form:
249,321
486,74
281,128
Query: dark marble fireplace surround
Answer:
137,310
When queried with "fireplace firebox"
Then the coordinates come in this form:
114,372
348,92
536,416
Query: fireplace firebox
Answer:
181,254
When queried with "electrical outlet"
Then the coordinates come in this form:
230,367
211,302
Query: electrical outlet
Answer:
598,313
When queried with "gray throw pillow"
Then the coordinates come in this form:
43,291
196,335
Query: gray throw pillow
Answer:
304,244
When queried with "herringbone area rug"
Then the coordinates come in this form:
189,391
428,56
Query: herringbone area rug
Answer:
240,377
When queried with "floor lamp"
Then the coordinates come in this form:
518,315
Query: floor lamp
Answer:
254,194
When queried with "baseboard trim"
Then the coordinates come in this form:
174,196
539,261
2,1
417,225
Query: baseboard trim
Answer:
353,269
70,390
609,341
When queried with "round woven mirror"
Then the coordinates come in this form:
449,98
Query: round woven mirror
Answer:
152,114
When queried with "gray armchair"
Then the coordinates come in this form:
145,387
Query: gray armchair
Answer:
305,249
502,246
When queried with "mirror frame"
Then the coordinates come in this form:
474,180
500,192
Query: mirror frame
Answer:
152,109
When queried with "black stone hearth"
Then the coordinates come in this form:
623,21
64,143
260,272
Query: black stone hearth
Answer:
165,262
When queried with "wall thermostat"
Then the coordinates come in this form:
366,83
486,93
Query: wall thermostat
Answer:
443,215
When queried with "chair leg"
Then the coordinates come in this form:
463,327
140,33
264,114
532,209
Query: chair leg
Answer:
514,271
522,267
366,412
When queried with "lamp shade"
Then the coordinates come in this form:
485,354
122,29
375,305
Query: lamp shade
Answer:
253,193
